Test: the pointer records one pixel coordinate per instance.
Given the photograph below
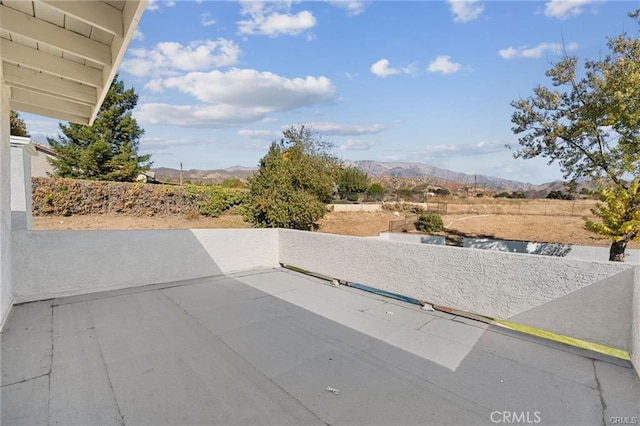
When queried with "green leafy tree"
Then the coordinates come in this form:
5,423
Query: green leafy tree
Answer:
559,195
352,180
619,216
375,192
294,181
17,125
106,150
590,122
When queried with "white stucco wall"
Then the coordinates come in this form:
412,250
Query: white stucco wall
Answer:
485,282
60,263
372,207
240,249
411,238
20,187
6,287
40,166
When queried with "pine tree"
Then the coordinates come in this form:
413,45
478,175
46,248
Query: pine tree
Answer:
106,150
17,125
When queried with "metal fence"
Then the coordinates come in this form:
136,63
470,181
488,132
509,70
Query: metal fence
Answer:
408,222
403,225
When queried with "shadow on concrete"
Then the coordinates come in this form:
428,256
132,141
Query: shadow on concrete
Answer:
244,350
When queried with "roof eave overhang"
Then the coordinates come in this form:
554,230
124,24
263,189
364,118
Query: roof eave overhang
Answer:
60,57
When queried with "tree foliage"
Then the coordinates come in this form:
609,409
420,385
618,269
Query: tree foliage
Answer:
213,200
590,121
430,222
619,216
106,150
352,180
560,195
17,125
294,181
375,192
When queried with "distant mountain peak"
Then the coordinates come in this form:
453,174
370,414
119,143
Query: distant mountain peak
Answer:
421,170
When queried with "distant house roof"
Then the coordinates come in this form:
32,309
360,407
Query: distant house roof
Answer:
44,149
34,147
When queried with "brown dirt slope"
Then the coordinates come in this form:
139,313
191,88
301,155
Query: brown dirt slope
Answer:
552,229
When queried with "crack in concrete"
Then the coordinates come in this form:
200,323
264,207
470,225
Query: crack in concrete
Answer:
25,380
603,404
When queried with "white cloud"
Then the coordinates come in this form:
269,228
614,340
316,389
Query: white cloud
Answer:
537,51
443,65
465,10
339,129
566,8
352,8
356,145
236,96
483,147
154,5
382,69
269,135
158,143
166,58
137,35
251,88
265,18
206,20
206,116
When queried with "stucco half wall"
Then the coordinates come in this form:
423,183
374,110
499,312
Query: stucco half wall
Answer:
59,263
496,284
492,283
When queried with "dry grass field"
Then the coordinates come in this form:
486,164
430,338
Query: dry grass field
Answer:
553,221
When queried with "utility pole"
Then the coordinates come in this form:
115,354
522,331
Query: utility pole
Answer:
475,185
181,173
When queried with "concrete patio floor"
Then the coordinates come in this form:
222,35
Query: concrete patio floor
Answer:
262,347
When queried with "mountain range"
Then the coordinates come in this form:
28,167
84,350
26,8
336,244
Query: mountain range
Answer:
394,173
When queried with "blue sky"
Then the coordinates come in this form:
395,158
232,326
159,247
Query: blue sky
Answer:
426,81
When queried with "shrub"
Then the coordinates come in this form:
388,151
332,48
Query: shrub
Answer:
375,192
559,195
353,197
214,199
429,223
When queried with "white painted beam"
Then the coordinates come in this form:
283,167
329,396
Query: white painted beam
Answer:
51,64
46,112
26,78
51,102
95,13
132,12
16,22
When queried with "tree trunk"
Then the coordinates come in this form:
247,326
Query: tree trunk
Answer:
616,252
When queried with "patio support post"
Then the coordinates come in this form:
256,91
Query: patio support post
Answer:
5,201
